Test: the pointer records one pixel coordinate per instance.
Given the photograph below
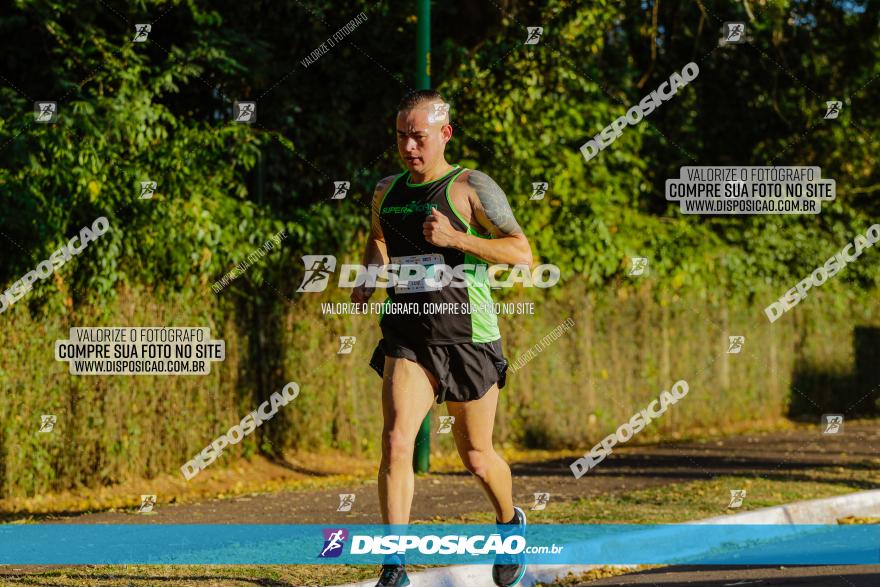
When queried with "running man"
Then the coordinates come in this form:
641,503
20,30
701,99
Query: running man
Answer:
319,271
452,216
334,542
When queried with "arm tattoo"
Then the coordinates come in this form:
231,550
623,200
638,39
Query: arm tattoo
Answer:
494,203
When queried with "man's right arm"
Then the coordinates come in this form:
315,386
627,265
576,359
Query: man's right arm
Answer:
375,253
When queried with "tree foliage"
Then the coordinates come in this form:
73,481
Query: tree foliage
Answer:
162,109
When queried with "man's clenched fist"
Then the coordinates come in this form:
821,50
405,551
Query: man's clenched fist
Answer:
438,230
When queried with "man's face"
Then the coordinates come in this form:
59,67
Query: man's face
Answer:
422,134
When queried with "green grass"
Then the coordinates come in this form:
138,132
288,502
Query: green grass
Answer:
672,503
682,502
202,576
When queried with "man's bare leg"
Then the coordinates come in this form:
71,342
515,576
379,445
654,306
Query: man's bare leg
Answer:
472,430
407,396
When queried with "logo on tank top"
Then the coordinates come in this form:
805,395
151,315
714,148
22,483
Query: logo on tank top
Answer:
410,208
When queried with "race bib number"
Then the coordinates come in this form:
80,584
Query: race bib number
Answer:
412,280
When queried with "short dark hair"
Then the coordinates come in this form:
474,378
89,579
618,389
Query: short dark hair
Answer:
415,97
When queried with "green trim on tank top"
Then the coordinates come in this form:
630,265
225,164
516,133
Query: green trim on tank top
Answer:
470,229
484,325
416,185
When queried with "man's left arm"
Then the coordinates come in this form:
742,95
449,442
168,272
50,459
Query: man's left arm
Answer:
492,212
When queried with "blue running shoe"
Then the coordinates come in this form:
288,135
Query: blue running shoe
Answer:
509,569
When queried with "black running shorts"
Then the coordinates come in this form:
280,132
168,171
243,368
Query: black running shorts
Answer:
465,372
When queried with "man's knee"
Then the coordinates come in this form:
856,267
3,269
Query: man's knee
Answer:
478,462
396,445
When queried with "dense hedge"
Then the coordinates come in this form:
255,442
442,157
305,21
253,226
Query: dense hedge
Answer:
624,347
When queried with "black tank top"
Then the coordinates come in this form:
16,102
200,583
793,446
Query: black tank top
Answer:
402,213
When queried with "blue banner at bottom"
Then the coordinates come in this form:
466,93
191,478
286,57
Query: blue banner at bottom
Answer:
212,544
